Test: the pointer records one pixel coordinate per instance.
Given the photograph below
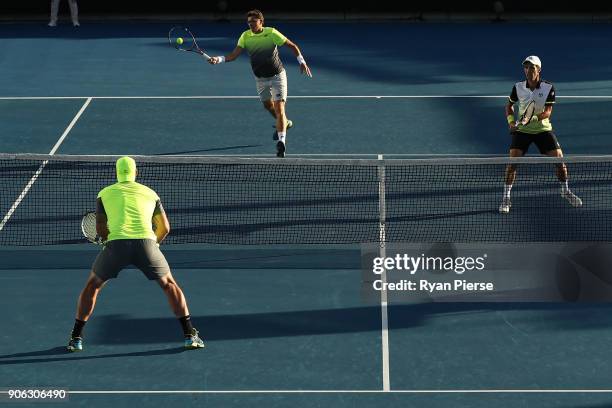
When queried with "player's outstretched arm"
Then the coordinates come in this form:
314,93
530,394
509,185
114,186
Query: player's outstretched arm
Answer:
226,58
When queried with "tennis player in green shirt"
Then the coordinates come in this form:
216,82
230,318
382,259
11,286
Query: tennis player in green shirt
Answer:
262,45
125,213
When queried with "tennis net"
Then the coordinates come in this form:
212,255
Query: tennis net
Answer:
244,201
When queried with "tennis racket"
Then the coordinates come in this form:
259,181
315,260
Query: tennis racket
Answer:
527,114
183,40
88,226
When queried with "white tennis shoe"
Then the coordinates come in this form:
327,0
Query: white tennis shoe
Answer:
571,198
505,205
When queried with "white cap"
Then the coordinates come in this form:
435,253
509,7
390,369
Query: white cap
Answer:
534,60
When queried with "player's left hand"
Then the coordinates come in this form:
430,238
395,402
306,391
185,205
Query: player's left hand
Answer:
305,70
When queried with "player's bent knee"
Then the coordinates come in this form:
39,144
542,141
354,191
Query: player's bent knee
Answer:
94,281
167,282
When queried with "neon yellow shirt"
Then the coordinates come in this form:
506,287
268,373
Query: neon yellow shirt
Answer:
129,208
263,50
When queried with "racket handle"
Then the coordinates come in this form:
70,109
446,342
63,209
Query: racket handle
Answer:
205,55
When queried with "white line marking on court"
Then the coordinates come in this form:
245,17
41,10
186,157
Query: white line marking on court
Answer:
458,391
28,186
382,210
292,97
70,126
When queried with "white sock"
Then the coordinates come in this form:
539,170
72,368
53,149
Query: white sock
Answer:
507,188
564,186
281,136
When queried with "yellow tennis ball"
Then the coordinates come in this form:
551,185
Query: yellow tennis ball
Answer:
179,41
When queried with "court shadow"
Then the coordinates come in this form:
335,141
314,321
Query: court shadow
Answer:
48,352
213,149
123,329
72,357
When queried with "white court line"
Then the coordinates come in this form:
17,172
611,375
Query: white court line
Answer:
458,391
382,211
28,186
292,97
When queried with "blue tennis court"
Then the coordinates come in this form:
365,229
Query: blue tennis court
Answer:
289,324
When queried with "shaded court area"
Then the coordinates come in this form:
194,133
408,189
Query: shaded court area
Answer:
275,326
271,328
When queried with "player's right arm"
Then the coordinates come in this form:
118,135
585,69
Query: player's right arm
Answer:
161,222
227,58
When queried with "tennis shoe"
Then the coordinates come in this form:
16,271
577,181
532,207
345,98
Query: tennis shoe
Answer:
52,23
505,205
75,344
280,149
193,341
571,198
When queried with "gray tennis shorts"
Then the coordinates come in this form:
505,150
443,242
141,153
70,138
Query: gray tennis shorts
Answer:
142,253
272,88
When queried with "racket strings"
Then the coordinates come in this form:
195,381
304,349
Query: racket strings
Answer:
187,41
528,113
88,225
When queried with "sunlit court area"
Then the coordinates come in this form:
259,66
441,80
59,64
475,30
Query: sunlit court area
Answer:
232,204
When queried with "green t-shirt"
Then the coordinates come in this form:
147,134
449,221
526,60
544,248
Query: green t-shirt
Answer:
263,50
129,208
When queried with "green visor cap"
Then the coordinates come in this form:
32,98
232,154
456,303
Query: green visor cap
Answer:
126,169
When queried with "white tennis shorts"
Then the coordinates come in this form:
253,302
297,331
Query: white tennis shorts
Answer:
272,88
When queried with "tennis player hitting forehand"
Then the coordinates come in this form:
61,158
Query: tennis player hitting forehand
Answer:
125,213
262,45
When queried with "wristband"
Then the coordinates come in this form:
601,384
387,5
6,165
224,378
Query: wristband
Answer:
301,60
510,119
220,59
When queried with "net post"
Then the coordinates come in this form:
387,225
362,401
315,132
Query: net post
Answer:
383,293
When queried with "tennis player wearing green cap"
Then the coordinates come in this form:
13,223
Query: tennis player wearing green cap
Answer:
125,213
